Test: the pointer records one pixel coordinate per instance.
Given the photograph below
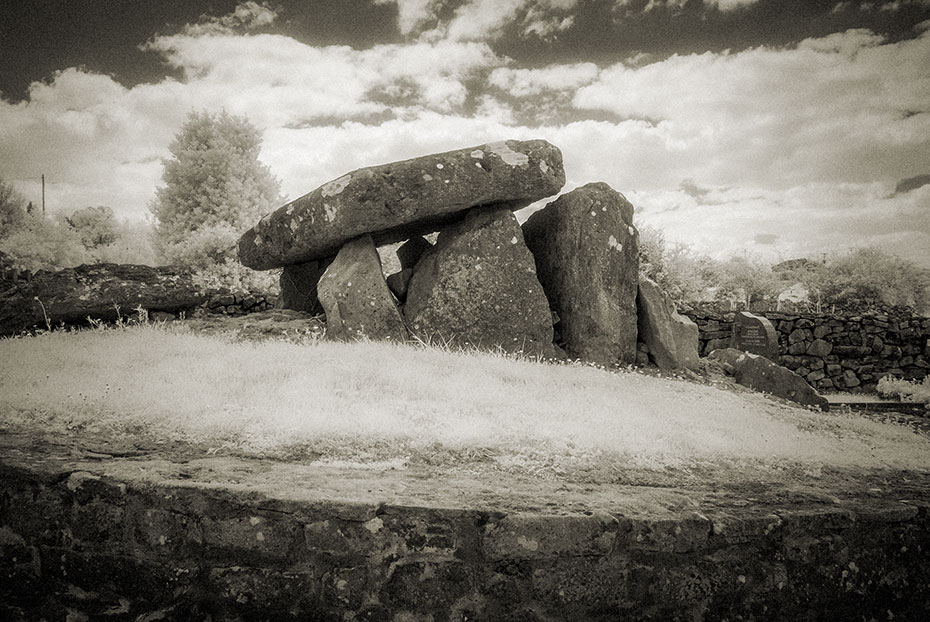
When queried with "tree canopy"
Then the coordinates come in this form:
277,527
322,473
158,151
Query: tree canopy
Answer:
215,189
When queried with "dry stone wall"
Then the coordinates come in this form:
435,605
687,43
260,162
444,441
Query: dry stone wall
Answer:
842,352
76,544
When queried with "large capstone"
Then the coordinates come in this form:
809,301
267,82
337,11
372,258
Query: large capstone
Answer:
672,338
477,287
587,259
396,201
357,301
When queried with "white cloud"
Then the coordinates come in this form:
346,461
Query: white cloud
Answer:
480,20
411,14
527,82
778,118
722,5
245,16
806,144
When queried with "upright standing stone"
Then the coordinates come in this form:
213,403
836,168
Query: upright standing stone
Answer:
672,338
755,334
298,286
477,286
355,297
396,201
587,259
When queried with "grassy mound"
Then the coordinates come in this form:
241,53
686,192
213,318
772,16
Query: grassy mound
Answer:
395,404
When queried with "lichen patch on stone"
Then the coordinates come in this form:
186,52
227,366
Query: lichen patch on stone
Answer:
330,212
374,525
508,155
614,244
336,186
543,166
477,153
526,543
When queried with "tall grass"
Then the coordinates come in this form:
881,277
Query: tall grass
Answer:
366,401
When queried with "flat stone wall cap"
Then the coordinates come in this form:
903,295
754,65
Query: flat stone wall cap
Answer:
396,201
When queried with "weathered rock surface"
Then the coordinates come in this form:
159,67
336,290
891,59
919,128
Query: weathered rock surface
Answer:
275,325
586,253
298,286
396,201
99,291
357,301
757,372
672,338
477,286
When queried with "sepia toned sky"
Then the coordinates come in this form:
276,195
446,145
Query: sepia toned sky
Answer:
771,128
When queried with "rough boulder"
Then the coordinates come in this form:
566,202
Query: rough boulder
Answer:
98,291
757,372
672,338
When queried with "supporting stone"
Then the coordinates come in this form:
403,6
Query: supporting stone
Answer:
586,253
477,286
356,299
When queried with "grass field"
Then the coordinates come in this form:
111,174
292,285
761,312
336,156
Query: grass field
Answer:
395,404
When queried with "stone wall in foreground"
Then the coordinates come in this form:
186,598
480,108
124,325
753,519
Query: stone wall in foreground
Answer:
78,546
835,352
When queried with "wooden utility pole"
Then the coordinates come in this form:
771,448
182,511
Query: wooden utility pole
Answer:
43,195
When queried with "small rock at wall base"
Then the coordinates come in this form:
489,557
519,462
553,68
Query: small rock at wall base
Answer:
477,287
357,301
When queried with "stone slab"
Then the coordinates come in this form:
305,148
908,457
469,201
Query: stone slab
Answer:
396,201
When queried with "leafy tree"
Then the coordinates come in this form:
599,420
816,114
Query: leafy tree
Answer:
870,277
681,274
749,279
215,189
13,215
96,226
41,244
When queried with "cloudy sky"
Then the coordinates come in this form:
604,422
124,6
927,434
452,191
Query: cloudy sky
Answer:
772,128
